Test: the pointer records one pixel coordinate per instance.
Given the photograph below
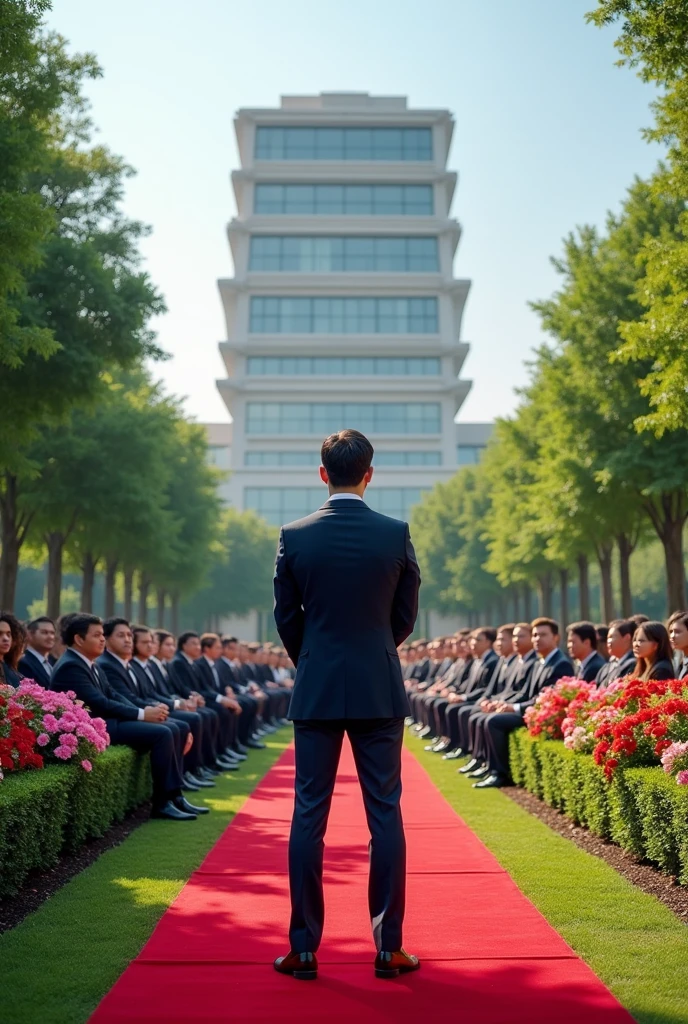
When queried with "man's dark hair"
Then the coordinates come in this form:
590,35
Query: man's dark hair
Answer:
137,631
110,625
544,620
346,456
183,637
35,623
227,640
489,632
626,627
78,624
208,640
584,631
508,627
639,618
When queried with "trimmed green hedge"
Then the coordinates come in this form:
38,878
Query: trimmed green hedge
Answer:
45,813
642,809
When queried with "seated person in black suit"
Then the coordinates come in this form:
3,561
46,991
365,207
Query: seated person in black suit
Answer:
621,657
581,643
37,660
140,728
12,641
552,665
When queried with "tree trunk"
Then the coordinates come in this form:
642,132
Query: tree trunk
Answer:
604,557
55,542
583,588
625,546
527,603
564,587
545,593
161,608
175,614
14,527
128,594
110,574
144,587
88,575
668,514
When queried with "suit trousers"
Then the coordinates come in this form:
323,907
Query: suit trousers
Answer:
376,747
497,728
162,742
192,721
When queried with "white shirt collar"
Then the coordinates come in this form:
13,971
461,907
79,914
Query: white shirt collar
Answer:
184,654
585,661
83,657
209,660
344,494
551,656
141,662
43,658
123,663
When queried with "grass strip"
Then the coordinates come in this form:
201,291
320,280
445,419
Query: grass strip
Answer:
56,966
631,941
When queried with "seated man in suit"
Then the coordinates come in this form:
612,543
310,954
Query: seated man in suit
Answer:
37,661
621,657
188,684
551,666
140,728
484,668
231,681
581,643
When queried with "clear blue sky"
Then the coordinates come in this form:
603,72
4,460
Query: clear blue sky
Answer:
547,136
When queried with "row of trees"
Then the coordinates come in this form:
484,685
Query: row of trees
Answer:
595,458
99,470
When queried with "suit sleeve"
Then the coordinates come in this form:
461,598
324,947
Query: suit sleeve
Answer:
405,606
289,617
120,689
98,703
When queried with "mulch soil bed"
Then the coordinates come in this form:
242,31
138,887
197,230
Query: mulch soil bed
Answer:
640,873
43,885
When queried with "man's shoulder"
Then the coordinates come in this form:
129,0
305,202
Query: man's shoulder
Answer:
320,517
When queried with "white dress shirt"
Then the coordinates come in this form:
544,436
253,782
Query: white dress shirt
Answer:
42,659
344,494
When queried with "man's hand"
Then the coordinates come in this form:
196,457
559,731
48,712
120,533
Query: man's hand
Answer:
233,705
200,701
505,707
188,745
187,705
229,691
155,713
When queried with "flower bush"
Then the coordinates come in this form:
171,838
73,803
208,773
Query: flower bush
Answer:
586,713
38,725
675,762
547,715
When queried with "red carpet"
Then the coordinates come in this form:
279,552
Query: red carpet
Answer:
488,955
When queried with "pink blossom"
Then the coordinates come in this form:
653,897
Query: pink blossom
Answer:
50,723
86,765
64,753
43,739
682,778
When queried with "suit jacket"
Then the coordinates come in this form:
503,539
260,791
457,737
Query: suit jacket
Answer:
10,675
662,670
346,595
205,683
164,686
519,689
593,668
182,676
93,688
503,677
31,668
546,674
120,680
482,673
147,688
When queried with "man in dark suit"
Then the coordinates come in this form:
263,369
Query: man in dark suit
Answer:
37,661
621,657
581,643
479,684
552,666
140,728
346,596
210,685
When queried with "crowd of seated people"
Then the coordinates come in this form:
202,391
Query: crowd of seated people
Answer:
198,704
469,691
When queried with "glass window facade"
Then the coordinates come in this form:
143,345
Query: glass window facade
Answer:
350,315
374,200
469,454
279,366
320,254
286,458
322,143
284,504
323,418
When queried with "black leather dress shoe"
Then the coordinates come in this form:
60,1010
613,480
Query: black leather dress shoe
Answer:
240,748
255,744
226,766
453,755
237,755
391,965
202,782
302,966
183,804
190,783
480,773
172,813
491,782
474,763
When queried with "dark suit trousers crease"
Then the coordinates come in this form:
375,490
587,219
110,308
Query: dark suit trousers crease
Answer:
376,747
163,746
497,728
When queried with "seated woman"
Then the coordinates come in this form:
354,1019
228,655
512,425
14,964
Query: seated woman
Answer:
12,644
652,650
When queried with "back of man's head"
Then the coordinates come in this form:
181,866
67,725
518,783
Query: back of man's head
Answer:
346,457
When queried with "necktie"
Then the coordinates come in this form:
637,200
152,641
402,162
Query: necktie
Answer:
132,676
48,667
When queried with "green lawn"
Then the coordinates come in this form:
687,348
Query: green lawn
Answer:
631,940
56,966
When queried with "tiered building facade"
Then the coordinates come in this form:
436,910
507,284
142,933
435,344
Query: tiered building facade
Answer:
343,310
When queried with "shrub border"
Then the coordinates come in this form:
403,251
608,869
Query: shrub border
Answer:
642,809
57,809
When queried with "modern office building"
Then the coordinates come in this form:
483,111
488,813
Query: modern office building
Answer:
343,310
